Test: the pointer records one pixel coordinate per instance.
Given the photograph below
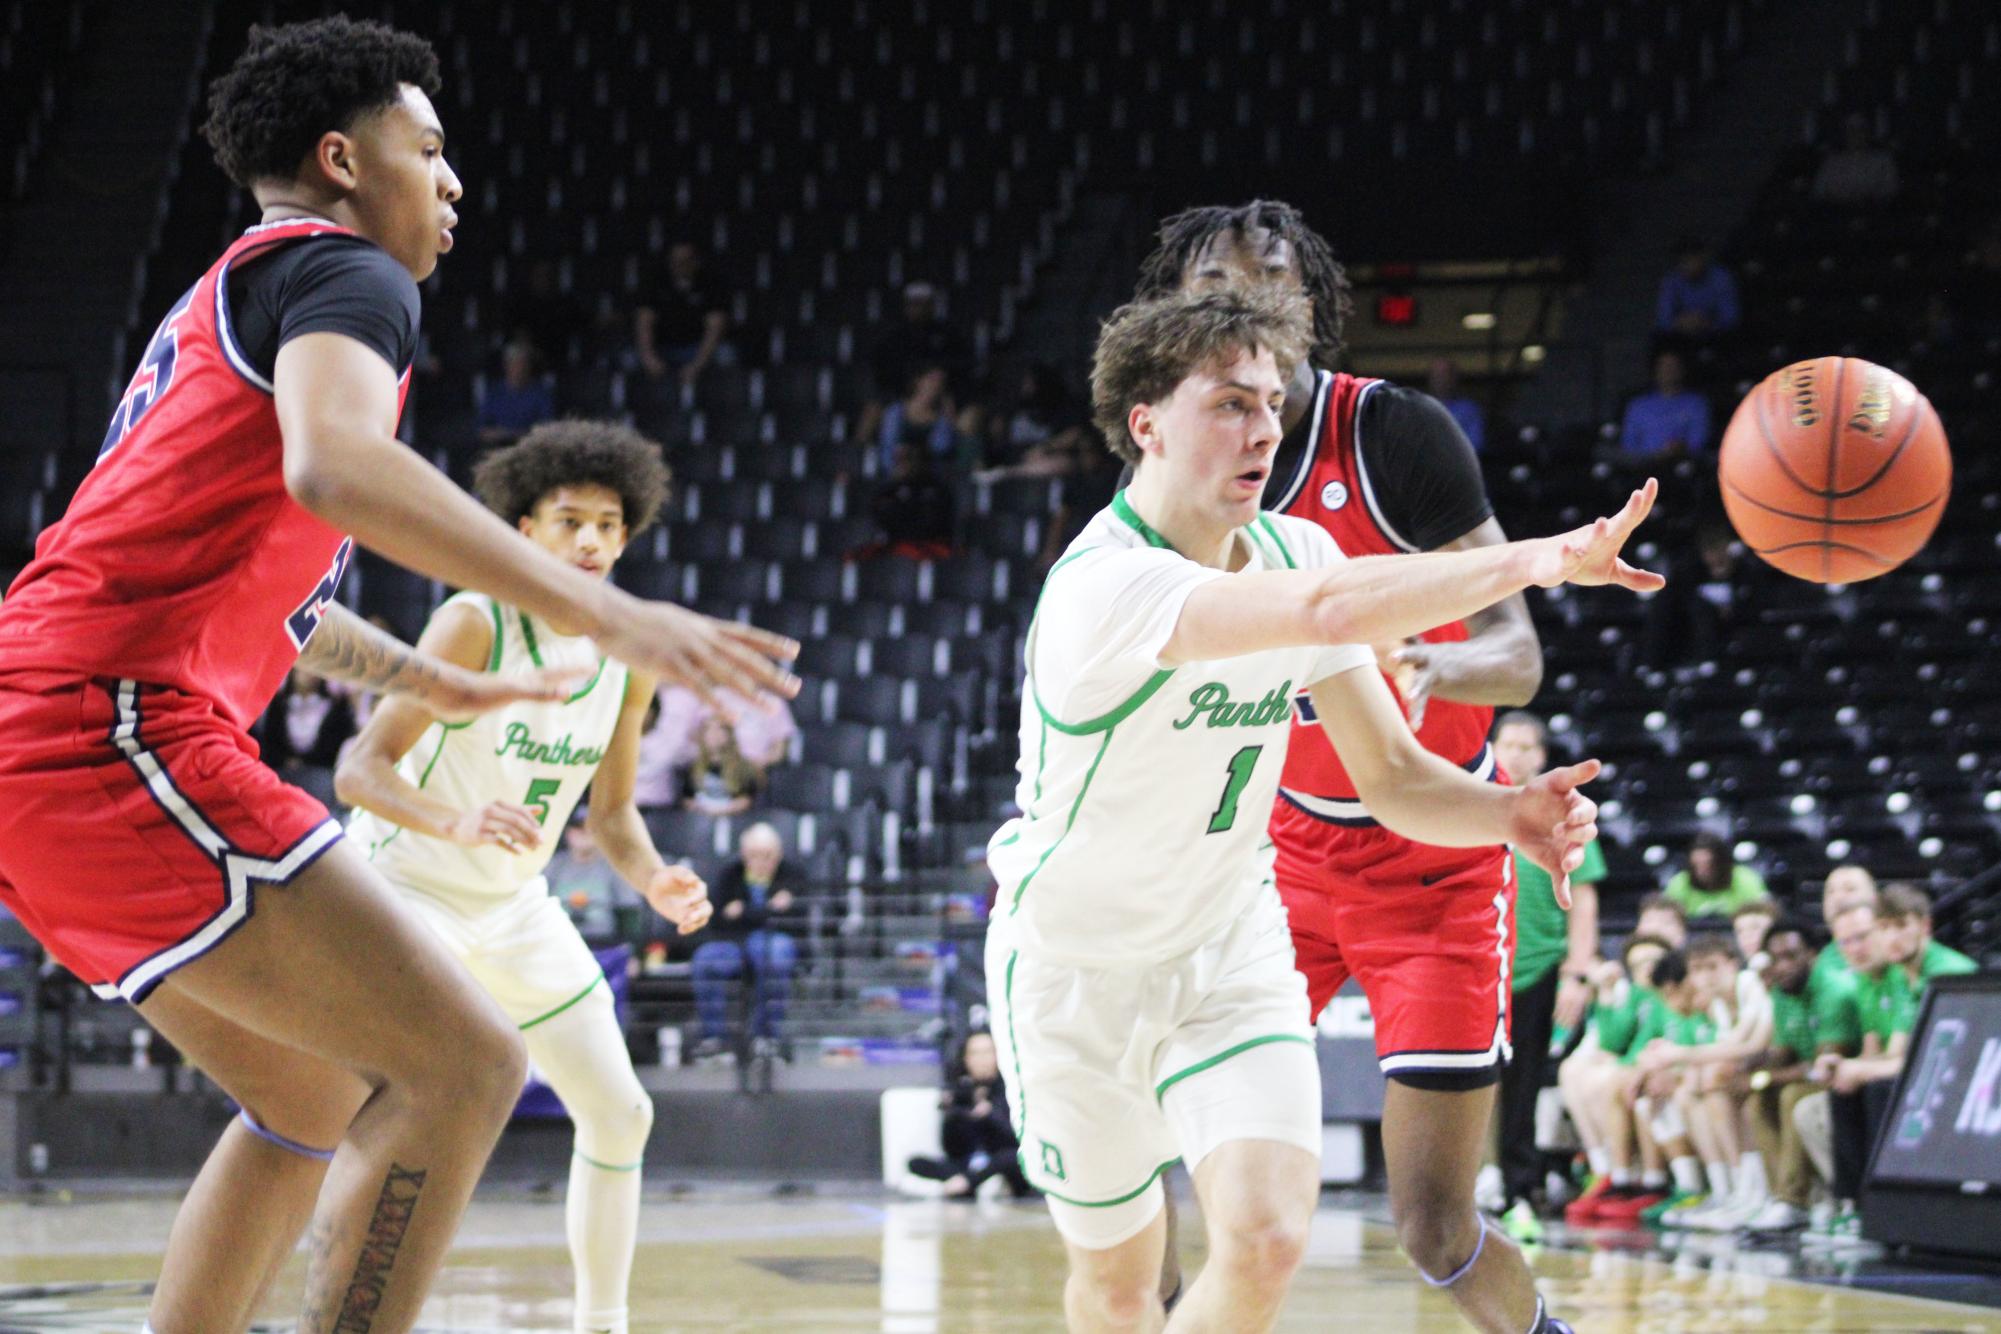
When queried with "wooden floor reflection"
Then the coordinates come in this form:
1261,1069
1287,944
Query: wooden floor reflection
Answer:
740,1259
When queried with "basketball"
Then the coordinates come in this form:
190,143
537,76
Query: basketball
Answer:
1835,470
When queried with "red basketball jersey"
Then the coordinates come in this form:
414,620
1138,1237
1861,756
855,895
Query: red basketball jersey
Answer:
1332,488
183,561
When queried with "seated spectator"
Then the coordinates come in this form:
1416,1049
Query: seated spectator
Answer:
914,508
1663,919
540,312
977,1134
719,780
922,419
1803,1030
595,896
304,729
1045,433
519,400
1847,1047
1443,385
1599,1082
1735,1027
1686,622
682,320
923,338
749,902
1713,884
1670,422
1858,173
762,729
1697,299
1750,925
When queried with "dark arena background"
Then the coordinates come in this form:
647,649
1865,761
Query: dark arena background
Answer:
845,261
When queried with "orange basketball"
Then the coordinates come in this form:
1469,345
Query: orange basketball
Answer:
1835,470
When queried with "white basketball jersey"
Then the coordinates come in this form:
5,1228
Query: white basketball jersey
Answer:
1145,791
539,755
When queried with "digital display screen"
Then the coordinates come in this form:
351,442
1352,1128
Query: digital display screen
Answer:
1945,1119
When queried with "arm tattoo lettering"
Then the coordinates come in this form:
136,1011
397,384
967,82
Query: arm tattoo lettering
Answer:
347,648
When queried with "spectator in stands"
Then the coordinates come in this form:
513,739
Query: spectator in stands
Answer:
1660,1102
1686,622
914,508
1776,1080
1046,432
1698,298
1860,172
1555,955
1443,383
520,399
682,320
977,1134
1669,423
1713,884
720,780
1735,1027
750,903
582,880
923,418
922,339
541,312
1663,919
1845,1040
1750,925
1904,936
1599,1082
762,729
304,729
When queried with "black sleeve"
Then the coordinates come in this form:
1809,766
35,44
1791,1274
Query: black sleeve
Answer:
333,284
1424,473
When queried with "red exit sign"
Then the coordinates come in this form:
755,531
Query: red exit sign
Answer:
1396,310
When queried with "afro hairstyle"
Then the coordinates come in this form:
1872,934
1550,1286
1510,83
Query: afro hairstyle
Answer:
575,452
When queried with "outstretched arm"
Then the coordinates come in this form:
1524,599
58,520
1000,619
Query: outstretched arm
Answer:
1428,800
336,401
1499,662
1374,599
675,892
458,639
347,648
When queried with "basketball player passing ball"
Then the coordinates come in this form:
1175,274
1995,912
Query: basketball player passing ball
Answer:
143,843
1427,931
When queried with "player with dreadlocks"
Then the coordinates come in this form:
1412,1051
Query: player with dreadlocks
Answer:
1428,932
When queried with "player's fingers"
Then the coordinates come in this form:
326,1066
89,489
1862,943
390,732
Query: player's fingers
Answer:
1640,581
1561,884
525,828
771,645
1566,778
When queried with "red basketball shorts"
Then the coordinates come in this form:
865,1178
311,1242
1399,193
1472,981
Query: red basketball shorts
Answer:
135,825
1428,933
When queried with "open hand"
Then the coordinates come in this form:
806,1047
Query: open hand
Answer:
680,896
455,695
499,824
682,647
1590,555
1552,821
1414,667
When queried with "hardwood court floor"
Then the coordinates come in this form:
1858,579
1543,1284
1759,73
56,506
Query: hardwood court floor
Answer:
734,1258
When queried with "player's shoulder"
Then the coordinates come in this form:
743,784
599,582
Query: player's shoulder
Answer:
1300,543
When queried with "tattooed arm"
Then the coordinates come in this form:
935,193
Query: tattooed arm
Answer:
347,648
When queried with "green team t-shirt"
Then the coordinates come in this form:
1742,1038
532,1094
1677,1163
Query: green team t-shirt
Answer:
1837,1009
1691,1030
1746,887
1943,961
1618,1025
1542,929
1652,1019
1886,1001
1793,1026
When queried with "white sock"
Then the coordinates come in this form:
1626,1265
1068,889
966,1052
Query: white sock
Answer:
1622,1176
601,1217
1687,1175
1751,1175
1600,1160
1719,1178
1653,1180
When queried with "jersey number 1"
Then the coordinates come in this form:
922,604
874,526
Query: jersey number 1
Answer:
1241,765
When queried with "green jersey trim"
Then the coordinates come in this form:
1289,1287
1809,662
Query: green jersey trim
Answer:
535,655
543,1018
1104,722
1152,1177
1160,1090
445,731
1130,516
1271,530
1020,1088
499,636
606,1167
1068,824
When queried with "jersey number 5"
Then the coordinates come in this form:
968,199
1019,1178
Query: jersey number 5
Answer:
539,792
1241,766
